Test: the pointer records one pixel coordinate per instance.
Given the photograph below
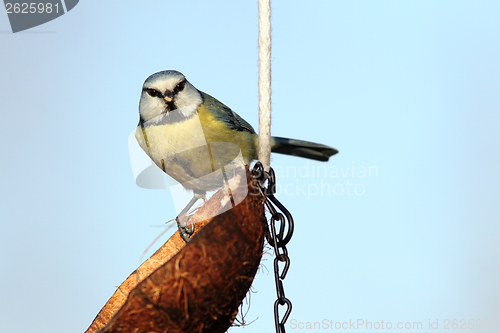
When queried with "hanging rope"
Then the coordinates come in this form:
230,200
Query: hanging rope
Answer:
276,238
265,83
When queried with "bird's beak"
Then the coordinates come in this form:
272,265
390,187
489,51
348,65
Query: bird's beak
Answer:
168,97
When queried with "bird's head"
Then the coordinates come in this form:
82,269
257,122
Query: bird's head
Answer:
165,92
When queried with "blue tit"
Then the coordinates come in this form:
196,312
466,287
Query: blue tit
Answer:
177,123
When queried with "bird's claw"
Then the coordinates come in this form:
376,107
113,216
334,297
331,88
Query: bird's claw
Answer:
185,231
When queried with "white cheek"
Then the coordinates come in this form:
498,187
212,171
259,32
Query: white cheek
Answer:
190,97
150,108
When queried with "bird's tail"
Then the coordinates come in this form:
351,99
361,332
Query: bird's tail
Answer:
314,151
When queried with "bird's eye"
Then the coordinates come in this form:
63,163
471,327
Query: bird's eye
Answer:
153,92
180,86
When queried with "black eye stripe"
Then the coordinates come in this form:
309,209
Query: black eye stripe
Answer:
155,93
152,92
180,86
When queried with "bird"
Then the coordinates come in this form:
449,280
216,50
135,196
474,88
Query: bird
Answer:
196,139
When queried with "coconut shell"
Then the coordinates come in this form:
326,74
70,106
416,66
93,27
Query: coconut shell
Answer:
198,286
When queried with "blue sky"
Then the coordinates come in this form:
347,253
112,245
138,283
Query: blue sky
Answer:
408,89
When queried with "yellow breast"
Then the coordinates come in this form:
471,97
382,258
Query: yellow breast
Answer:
192,150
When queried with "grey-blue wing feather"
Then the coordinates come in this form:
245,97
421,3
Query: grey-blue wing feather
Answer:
225,114
280,145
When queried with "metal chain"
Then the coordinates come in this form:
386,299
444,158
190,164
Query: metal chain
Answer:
277,239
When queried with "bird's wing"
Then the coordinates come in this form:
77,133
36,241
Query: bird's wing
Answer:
225,114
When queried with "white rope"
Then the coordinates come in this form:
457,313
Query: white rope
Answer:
265,83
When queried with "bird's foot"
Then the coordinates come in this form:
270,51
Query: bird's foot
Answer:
185,230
